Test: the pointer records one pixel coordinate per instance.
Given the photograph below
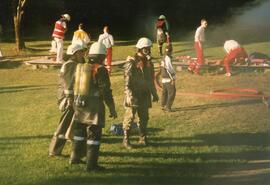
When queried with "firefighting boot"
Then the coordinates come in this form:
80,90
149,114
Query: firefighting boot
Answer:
143,141
78,151
92,159
143,137
56,146
126,141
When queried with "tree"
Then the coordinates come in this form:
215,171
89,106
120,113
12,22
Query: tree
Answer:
18,11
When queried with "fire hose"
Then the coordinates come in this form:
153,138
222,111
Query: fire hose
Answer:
227,93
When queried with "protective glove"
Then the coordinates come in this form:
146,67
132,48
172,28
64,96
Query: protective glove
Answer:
155,97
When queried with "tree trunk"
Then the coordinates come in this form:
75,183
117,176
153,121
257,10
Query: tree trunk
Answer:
19,40
17,17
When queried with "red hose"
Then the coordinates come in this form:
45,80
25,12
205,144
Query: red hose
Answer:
221,93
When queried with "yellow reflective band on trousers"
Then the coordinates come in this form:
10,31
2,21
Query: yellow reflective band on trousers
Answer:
82,79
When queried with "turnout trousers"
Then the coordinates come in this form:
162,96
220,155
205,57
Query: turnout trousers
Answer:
58,141
129,117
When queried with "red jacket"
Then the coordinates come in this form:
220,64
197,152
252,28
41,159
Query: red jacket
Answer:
59,29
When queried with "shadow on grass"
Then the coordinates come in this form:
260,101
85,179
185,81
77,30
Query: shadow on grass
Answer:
10,65
217,105
25,138
153,166
22,88
154,174
140,177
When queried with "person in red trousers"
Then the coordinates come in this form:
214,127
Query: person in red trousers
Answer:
234,53
108,41
199,39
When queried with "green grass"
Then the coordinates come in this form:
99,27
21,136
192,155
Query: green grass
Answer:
202,138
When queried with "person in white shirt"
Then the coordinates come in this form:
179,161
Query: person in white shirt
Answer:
234,52
168,77
80,37
107,40
199,39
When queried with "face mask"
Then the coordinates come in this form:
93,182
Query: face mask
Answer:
146,51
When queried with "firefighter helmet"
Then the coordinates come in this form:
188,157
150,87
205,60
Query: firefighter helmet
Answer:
66,16
73,48
143,43
162,17
97,48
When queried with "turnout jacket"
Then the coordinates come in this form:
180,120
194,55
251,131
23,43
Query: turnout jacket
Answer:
139,82
93,111
66,82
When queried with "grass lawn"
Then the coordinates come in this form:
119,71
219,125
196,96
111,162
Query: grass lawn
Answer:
205,141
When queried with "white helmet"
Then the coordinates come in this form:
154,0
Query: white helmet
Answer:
73,48
66,16
97,48
143,43
162,17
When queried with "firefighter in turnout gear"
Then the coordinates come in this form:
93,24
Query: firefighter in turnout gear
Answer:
168,78
92,88
65,98
162,28
139,88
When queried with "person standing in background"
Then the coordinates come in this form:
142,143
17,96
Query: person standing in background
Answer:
168,77
80,37
58,35
199,39
162,27
107,40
